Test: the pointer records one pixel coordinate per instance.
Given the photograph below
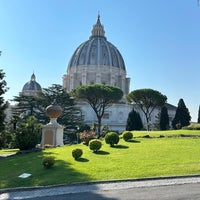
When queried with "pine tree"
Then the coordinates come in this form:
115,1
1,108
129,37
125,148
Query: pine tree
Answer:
36,105
134,121
182,116
164,119
198,120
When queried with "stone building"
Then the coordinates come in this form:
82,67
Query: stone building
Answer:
98,61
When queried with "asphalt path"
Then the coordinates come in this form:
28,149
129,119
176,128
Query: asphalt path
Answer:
178,188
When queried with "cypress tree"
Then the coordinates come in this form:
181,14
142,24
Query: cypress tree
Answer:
164,119
198,120
134,121
182,116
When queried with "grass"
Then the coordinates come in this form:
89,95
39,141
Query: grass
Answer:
168,133
142,157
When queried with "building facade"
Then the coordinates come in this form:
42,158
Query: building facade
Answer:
98,61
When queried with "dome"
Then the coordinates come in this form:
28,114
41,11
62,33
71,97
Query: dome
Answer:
31,87
97,51
96,61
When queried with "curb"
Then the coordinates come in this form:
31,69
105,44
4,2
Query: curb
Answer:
96,182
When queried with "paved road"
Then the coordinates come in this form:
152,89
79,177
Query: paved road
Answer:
159,189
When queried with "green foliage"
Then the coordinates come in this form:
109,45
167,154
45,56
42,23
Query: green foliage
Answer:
127,135
147,100
95,145
35,106
99,97
112,138
134,121
86,136
28,134
48,161
7,139
164,119
182,117
3,103
84,127
28,106
105,130
2,140
77,153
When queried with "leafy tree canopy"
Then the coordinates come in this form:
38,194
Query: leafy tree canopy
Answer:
147,100
99,96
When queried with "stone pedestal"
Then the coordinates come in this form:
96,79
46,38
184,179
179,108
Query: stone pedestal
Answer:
52,133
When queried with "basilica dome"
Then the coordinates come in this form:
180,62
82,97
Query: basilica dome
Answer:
97,51
96,61
31,87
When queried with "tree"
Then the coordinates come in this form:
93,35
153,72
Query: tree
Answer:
28,134
182,116
134,121
164,119
71,114
99,97
198,120
3,103
27,106
147,100
35,106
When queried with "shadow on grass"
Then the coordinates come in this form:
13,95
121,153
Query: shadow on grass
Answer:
120,146
82,160
62,172
101,152
133,141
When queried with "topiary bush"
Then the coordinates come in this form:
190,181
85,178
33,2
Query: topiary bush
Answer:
112,138
77,153
48,161
127,135
95,145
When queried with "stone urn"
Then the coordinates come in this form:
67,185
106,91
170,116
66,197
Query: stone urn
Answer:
53,111
52,133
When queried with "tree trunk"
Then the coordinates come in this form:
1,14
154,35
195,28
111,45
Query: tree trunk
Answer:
147,120
99,127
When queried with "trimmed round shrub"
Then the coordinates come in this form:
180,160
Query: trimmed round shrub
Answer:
48,161
95,145
127,135
112,138
77,153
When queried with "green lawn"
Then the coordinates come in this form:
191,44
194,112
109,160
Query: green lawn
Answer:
143,157
170,133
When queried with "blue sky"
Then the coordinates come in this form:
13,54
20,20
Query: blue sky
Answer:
159,41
